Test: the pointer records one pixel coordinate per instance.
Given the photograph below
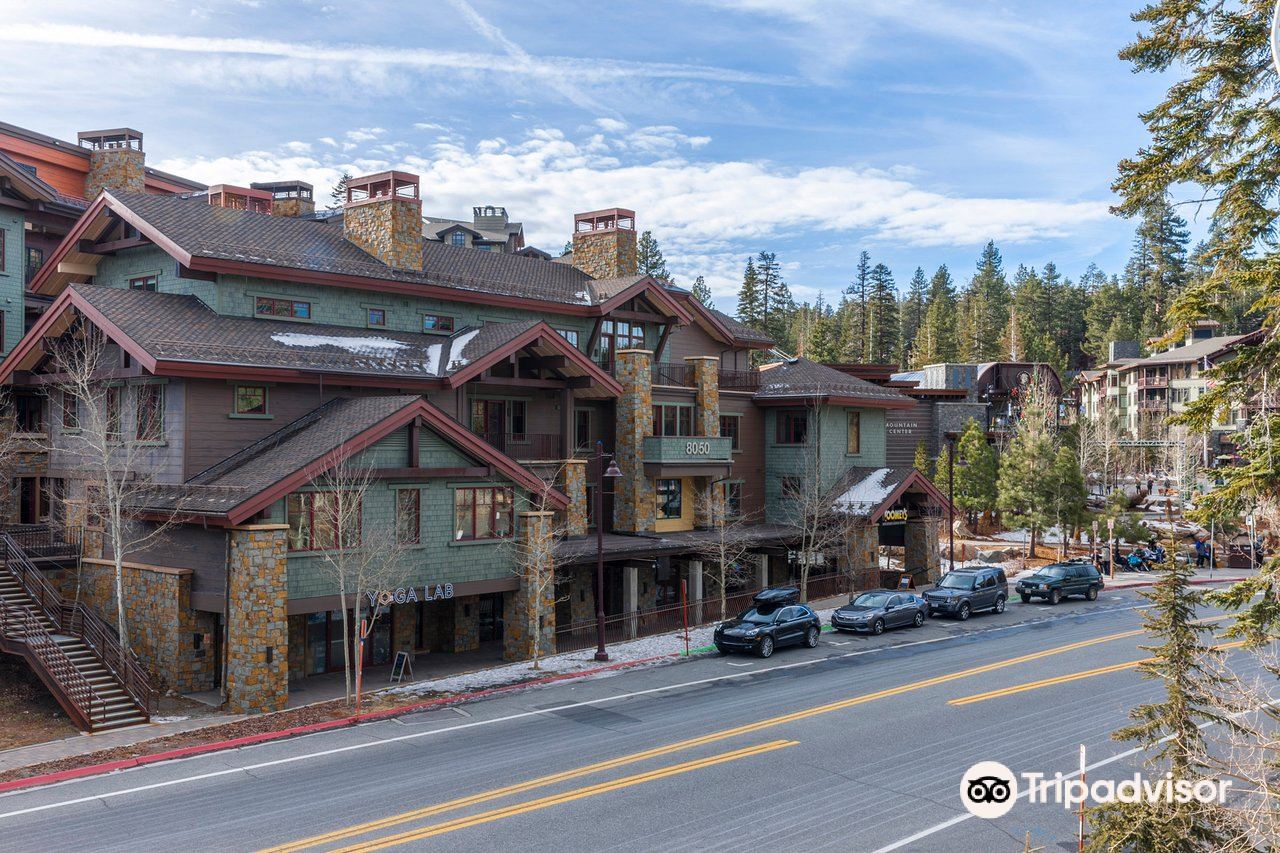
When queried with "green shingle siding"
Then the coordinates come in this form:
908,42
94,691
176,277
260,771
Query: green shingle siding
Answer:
12,279
830,429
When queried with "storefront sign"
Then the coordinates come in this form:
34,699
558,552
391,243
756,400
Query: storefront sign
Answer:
894,515
409,594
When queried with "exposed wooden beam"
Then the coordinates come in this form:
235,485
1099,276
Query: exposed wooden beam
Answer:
662,343
638,316
525,383
106,247
69,268
431,473
595,336
547,362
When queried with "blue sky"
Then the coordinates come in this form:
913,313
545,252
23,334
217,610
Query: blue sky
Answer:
914,129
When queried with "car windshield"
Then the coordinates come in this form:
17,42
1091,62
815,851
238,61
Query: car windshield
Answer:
955,581
1053,572
871,599
758,616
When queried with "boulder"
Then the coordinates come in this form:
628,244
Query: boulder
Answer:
996,555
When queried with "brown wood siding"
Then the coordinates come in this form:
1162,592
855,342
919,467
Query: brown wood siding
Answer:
690,340
905,429
748,463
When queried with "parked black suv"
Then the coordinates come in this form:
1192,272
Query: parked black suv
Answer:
775,618
1058,580
967,589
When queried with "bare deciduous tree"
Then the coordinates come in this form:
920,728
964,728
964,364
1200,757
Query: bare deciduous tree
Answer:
534,561
726,542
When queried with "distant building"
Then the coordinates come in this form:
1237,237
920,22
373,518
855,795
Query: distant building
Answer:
489,229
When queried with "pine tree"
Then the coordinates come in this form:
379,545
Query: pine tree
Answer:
857,346
912,316
921,462
649,260
936,340
976,473
1023,487
1157,269
1112,315
941,469
824,341
777,304
338,195
984,309
1069,495
701,292
1169,732
751,298
882,316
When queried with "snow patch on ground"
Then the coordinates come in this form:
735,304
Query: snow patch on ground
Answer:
169,719
867,494
359,346
1051,535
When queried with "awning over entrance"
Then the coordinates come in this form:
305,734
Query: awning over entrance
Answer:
870,493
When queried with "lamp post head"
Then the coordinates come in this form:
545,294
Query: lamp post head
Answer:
613,469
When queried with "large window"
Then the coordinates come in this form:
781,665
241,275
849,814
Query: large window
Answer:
150,412
409,516
570,335
265,306
670,498
730,427
70,411
144,282
35,260
793,426
437,323
314,519
672,419
618,335
855,433
482,513
250,400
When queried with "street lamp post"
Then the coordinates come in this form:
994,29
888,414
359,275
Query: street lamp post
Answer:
951,498
601,473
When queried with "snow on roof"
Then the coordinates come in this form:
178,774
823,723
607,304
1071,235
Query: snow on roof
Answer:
868,493
359,346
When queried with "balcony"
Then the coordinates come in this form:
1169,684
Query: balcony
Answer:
667,373
687,455
1153,381
526,446
1153,405
739,380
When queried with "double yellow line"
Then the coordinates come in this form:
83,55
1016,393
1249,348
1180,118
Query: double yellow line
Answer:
566,797
555,778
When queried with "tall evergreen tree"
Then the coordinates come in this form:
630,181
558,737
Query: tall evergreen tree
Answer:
776,302
857,346
338,194
985,308
751,298
649,260
1023,488
1068,495
912,315
1113,315
701,292
936,339
824,339
1157,268
976,473
882,316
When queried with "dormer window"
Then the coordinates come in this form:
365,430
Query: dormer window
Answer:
457,238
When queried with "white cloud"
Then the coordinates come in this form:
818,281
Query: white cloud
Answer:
710,215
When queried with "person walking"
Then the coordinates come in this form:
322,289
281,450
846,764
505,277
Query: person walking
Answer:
1202,553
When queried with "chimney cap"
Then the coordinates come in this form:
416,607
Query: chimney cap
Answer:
239,198
285,189
401,185
609,219
112,138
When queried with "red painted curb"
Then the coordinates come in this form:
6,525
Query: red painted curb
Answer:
310,728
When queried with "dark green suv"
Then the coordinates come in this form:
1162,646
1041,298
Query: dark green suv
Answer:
1058,580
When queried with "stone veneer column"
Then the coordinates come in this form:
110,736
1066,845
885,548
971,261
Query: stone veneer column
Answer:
864,556
633,500
466,623
404,628
257,653
582,594
921,549
529,609
387,227
574,484
115,169
708,509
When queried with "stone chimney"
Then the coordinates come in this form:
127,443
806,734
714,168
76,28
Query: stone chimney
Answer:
239,198
289,198
116,161
604,243
383,216
1123,349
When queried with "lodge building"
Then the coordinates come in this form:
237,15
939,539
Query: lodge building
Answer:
252,346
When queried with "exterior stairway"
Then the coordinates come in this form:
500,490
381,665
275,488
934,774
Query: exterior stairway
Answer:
96,682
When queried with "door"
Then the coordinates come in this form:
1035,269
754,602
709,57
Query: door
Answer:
893,613
985,595
790,625
28,500
489,418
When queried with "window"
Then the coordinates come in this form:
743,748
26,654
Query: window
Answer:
250,400
670,493
792,487
35,260
672,419
70,411
376,317
114,393
457,238
144,282
150,413
265,306
29,409
3,234
436,323
619,335
516,407
482,513
570,335
313,519
793,426
729,428
582,427
409,516
733,500
855,433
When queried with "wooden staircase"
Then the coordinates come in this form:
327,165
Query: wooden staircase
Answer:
80,661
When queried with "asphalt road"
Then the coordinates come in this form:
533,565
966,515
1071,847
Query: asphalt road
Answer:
855,745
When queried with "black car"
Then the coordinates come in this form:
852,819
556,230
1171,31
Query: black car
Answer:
879,609
775,618
1058,580
968,589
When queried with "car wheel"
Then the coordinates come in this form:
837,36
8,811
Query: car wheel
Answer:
766,647
1092,594
919,619
964,611
811,638
1000,604
1055,595
721,650
877,627
1026,599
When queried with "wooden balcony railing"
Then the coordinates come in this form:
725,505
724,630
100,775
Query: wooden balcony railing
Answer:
739,380
526,446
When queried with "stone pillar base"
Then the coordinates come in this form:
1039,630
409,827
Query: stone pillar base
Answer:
257,652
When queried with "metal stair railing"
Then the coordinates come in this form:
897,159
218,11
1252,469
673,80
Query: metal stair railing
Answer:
18,623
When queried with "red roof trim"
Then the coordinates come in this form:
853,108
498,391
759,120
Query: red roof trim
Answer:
68,243
649,286
913,478
545,333
437,420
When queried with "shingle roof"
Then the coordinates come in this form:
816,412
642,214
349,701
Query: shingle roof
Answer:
174,327
1190,352
741,331
801,378
206,231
